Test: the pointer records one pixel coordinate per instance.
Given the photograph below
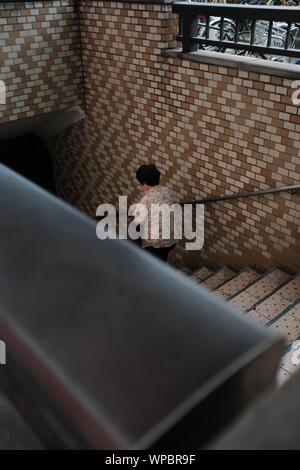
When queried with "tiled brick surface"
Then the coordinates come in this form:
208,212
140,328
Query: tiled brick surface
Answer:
287,326
238,283
219,278
295,311
272,306
291,291
244,300
258,317
212,130
201,274
40,58
260,289
268,283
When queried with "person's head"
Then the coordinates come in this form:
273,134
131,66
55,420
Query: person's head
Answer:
148,176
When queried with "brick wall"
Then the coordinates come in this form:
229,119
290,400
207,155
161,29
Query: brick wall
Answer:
40,58
211,130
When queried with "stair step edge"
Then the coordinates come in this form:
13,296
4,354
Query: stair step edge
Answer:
260,278
274,291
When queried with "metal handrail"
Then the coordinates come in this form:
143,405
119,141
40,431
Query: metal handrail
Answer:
189,14
258,12
292,188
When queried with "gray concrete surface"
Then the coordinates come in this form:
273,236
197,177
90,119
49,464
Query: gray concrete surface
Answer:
14,433
273,424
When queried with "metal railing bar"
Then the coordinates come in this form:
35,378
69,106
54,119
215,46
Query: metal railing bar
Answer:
270,34
292,188
288,31
253,28
247,47
287,14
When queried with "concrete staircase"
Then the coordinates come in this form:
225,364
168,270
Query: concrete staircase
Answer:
271,298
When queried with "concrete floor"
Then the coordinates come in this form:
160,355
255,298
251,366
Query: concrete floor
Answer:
14,433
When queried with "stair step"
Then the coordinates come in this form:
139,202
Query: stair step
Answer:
238,283
201,274
258,317
244,300
268,283
187,271
272,299
219,278
260,289
291,291
288,326
287,364
282,376
295,311
272,306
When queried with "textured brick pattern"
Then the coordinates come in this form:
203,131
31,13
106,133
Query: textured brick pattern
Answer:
40,58
212,130
124,76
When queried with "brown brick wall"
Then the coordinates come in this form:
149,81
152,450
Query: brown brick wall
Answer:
211,130
40,58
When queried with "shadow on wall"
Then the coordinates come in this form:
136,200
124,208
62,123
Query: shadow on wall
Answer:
29,156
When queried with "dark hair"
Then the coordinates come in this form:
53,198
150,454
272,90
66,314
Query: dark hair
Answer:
148,174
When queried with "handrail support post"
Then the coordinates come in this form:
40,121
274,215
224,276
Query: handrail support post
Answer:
189,30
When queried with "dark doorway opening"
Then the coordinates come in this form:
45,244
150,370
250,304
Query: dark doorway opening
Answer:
29,156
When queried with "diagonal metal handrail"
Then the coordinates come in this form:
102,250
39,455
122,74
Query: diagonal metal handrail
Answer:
292,188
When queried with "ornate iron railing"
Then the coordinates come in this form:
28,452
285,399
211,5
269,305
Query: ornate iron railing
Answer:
260,30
